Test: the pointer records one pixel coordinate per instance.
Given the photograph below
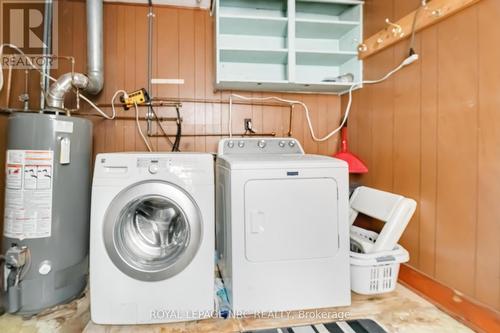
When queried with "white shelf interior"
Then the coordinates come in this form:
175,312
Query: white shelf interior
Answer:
265,45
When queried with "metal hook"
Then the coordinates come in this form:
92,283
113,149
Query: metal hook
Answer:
436,12
396,28
362,47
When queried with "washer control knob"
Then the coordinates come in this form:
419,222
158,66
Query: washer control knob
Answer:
291,143
45,267
281,144
230,144
261,143
241,144
153,168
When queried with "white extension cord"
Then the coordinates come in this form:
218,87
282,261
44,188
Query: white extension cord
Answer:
140,129
411,59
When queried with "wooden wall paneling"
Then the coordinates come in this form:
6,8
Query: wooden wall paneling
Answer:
119,73
364,128
332,108
168,60
457,144
428,151
187,72
406,159
322,106
310,145
353,120
258,114
140,66
199,83
487,284
383,109
213,111
406,146
111,53
375,13
129,33
299,123
275,118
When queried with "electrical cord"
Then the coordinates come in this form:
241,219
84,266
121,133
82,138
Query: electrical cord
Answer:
139,127
161,127
404,63
414,27
179,132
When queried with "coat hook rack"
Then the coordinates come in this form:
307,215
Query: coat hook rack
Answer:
396,29
436,10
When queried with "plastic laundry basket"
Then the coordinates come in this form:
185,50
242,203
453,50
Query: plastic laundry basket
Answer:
375,273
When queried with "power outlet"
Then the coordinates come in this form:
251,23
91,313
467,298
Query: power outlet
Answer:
248,125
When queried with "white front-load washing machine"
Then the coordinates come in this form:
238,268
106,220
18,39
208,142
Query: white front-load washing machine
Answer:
282,226
152,238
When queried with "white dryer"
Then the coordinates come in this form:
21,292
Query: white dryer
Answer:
152,238
282,226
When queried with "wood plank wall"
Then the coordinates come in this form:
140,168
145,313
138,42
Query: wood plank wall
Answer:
183,48
432,133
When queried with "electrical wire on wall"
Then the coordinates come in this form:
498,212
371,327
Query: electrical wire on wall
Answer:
405,62
413,56
139,128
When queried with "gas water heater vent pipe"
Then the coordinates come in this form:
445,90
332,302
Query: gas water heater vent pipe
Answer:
93,81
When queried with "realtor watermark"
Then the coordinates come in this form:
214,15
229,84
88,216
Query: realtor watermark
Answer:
22,25
313,315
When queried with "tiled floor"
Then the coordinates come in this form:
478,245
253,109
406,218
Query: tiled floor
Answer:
401,311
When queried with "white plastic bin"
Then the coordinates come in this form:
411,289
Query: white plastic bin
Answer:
375,273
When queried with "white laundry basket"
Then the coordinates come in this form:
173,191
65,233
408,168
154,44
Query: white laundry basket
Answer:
375,273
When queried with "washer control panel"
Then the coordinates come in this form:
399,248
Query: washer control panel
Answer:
259,146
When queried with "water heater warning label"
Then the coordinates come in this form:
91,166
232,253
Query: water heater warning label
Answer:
28,194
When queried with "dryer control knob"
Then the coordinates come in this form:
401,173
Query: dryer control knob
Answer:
282,144
291,143
153,168
261,143
241,144
230,144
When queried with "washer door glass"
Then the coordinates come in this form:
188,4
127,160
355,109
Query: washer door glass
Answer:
153,232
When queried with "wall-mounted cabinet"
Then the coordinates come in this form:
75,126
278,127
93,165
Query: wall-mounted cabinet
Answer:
287,45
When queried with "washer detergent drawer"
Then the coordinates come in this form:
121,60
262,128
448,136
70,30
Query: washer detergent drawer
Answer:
291,219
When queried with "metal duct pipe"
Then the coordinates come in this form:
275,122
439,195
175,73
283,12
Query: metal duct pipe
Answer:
93,81
47,40
57,91
95,60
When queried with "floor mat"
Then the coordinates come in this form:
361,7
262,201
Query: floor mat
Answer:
350,326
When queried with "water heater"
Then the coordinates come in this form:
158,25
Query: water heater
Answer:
47,204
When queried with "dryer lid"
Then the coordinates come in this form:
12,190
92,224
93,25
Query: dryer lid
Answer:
278,161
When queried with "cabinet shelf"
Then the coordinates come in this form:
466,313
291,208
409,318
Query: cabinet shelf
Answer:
253,25
260,8
255,56
320,58
292,45
323,29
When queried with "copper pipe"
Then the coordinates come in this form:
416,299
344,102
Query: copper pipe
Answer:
124,117
154,104
218,101
215,134
175,101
